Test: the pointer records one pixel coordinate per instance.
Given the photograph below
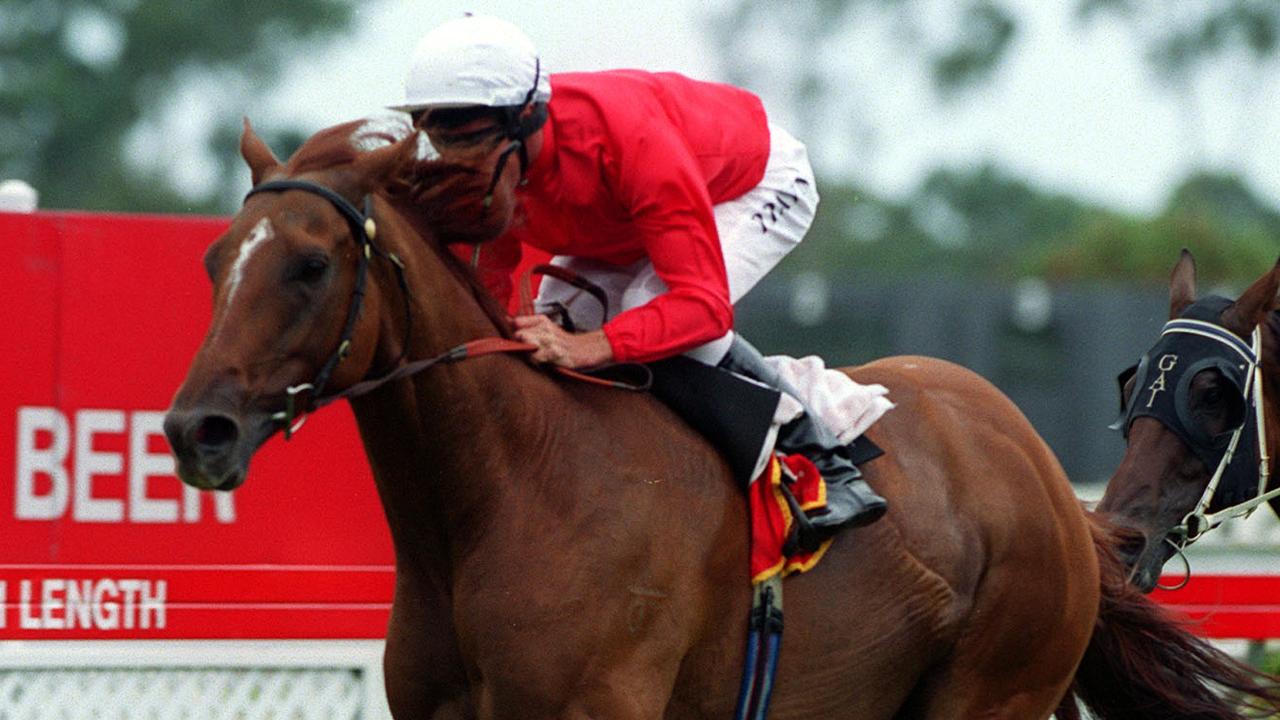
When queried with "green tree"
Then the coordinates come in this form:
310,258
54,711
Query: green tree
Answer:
961,44
1182,41
79,77
1232,233
808,56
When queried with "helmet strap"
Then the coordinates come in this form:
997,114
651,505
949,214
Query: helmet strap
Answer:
518,129
515,145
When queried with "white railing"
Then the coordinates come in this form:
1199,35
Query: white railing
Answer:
192,680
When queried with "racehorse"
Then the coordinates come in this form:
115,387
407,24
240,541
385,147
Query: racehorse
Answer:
565,550
1213,375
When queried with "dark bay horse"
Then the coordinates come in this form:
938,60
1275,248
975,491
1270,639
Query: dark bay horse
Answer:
565,550
1200,417
1212,385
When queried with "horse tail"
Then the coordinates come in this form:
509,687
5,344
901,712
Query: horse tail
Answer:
1142,663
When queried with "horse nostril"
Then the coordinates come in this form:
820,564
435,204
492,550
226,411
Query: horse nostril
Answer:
216,431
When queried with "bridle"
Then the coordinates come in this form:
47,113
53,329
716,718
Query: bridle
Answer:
1232,355
1199,521
363,231
308,397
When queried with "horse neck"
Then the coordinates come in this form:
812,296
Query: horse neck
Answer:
431,438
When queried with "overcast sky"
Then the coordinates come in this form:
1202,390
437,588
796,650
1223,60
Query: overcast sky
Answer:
1074,107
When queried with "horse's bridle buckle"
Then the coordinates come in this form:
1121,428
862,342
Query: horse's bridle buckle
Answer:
289,416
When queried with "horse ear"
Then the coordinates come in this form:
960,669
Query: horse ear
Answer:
1252,306
1182,284
256,154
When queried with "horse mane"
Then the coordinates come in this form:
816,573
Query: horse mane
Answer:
443,203
448,198
329,148
493,309
431,195
1272,322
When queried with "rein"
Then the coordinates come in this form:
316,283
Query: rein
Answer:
363,231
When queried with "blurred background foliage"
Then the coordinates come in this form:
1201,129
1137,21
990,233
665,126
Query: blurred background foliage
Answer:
81,79
985,222
85,85
982,220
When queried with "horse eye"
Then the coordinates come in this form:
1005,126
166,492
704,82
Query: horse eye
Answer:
308,269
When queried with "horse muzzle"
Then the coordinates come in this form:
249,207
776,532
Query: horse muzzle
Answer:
213,448
1144,556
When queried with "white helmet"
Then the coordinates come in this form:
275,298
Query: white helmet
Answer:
474,60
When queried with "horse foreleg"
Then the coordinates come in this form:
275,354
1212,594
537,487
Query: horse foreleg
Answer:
421,666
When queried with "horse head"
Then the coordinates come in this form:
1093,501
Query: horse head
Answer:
285,275
1200,417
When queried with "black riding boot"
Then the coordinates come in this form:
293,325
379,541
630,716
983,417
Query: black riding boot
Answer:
850,500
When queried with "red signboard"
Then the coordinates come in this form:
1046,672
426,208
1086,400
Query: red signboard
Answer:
1226,606
100,539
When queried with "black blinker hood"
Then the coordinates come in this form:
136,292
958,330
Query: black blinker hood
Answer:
1161,390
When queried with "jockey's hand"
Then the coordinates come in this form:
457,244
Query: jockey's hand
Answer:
559,347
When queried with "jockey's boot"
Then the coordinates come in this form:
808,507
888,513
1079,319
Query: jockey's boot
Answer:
851,502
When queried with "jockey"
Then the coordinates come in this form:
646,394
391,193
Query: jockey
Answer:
674,195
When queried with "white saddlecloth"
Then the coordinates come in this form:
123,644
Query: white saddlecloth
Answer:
842,405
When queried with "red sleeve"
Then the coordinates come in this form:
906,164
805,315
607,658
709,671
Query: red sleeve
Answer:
498,260
659,181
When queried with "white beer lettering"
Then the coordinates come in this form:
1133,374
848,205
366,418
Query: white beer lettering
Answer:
224,508
4,604
56,475
64,604
90,463
130,588
48,462
106,613
80,604
151,607
143,465
51,591
1167,363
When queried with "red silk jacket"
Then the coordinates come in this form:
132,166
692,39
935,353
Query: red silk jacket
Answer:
631,164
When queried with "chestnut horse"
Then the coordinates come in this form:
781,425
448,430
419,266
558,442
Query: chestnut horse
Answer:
565,550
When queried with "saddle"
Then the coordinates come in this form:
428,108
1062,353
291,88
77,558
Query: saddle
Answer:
739,417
